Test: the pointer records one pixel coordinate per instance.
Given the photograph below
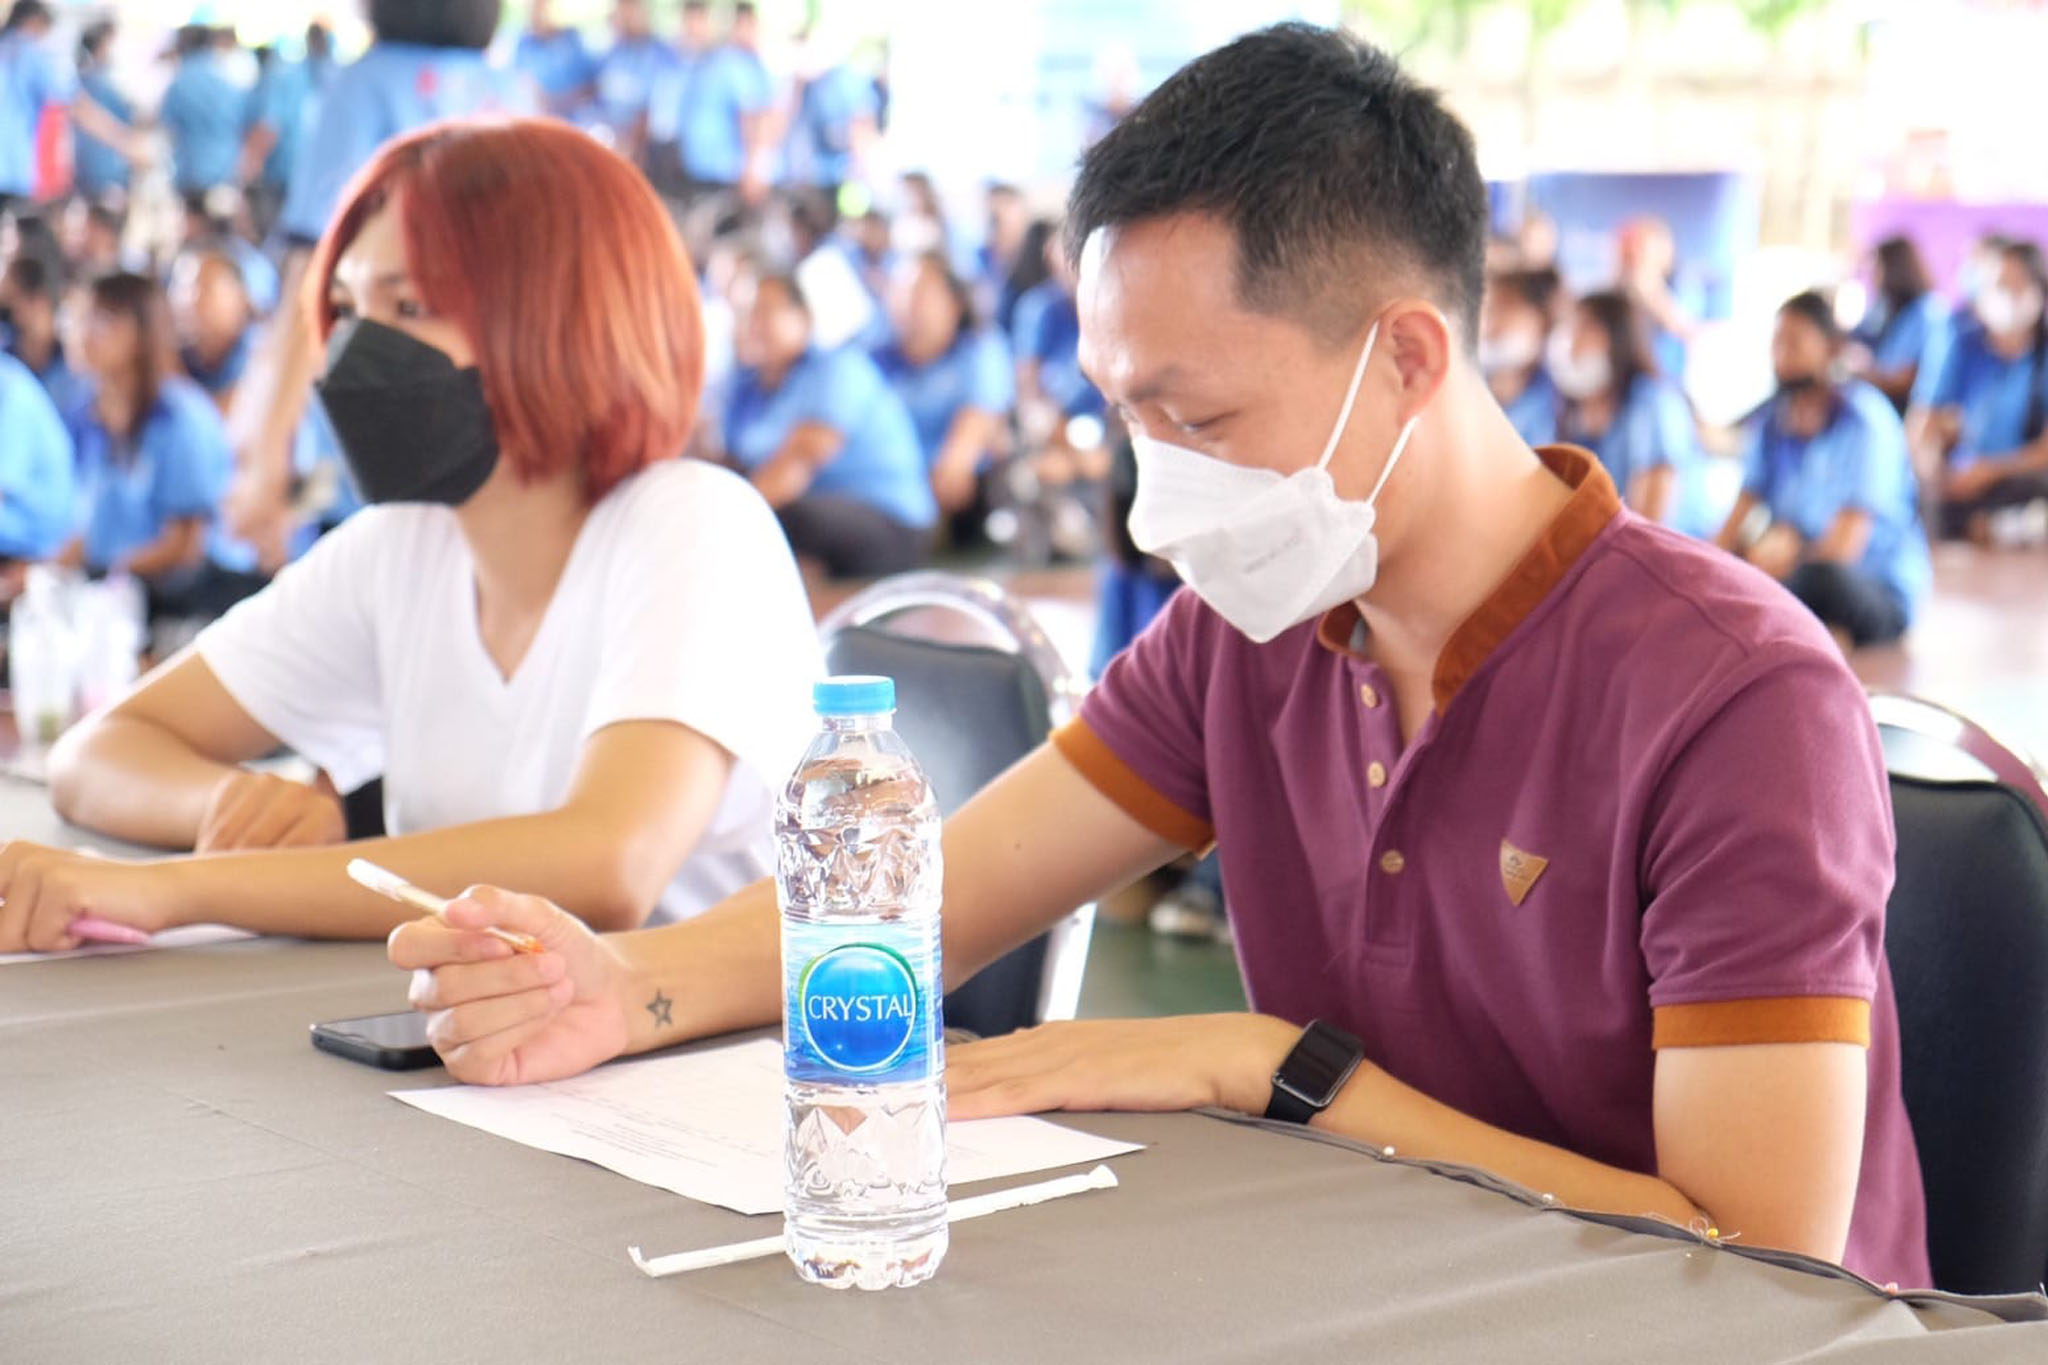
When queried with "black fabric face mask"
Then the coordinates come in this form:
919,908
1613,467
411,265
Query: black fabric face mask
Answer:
412,427
1799,386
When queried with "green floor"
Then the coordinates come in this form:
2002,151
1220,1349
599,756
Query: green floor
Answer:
1133,972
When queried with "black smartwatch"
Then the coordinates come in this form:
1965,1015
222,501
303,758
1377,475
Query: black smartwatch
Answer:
1313,1073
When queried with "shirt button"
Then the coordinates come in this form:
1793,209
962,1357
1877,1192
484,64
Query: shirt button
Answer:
1371,698
1391,862
1376,774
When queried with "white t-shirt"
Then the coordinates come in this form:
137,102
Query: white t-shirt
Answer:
680,602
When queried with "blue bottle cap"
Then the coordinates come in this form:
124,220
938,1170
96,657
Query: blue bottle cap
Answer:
854,696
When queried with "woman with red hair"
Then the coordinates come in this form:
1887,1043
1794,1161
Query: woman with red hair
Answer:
576,662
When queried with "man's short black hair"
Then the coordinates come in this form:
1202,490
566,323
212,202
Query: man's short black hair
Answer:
436,23
1817,310
1330,165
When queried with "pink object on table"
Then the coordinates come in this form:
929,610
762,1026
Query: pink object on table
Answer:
93,929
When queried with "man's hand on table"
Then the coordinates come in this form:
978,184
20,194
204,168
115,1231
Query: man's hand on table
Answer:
1121,1064
45,889
503,1018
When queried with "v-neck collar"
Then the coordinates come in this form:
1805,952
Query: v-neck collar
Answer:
468,611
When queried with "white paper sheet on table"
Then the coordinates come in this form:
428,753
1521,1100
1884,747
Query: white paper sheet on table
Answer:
708,1125
186,936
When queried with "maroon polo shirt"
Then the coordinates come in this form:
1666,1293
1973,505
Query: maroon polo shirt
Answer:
1648,810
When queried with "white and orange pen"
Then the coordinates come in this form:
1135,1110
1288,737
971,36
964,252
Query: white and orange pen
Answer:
385,882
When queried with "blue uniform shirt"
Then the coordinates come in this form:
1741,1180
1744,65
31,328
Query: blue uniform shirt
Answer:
559,65
1993,394
96,167
393,88
178,468
203,111
1858,462
1653,427
36,499
31,79
285,100
821,137
1902,338
1533,411
724,86
975,372
1048,331
879,464
626,78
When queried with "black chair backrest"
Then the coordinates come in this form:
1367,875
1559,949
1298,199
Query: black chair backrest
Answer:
968,712
1967,939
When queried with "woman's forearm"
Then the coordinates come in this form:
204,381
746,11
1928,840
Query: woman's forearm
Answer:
133,780
580,862
179,547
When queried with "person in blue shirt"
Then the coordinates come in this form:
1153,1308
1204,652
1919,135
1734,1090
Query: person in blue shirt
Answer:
1904,317
1618,406
426,64
834,127
1829,504
1026,271
626,78
216,326
827,442
1515,321
99,168
1066,443
1668,306
1987,402
153,459
29,293
203,111
281,112
557,61
32,79
667,105
36,499
953,375
721,118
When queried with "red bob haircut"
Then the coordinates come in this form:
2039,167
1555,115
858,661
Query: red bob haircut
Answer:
561,267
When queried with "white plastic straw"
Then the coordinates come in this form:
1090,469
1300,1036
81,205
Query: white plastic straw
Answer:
1101,1178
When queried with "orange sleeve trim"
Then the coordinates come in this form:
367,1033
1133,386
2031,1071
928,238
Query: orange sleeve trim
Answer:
1784,1019
1138,799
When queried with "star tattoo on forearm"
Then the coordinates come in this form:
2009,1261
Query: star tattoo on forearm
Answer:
659,1008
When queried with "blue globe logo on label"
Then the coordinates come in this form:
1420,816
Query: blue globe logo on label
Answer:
859,1007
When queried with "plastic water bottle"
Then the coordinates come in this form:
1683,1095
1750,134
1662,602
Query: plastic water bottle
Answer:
858,872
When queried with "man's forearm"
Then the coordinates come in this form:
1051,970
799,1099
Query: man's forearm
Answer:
1382,1112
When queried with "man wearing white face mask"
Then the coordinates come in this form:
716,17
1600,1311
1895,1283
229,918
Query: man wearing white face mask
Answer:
1984,425
1554,844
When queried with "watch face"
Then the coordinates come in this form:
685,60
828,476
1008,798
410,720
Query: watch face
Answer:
1320,1064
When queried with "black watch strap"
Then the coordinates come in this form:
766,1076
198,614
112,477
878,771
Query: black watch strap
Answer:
1313,1073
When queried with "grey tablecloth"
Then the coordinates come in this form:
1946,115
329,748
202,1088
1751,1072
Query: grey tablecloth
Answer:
182,1177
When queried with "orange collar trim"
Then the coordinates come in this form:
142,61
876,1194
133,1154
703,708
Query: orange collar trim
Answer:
1593,504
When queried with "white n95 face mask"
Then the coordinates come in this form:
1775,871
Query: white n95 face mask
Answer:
1266,550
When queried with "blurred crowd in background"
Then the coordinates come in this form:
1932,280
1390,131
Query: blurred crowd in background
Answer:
896,368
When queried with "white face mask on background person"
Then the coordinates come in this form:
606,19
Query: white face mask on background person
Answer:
1516,349
2008,310
1266,550
1576,376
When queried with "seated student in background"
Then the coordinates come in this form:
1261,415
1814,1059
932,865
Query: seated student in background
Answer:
1061,416
1829,478
37,506
1987,401
532,640
29,290
953,375
825,439
1618,406
1571,834
1904,319
215,324
1514,323
153,459
1649,276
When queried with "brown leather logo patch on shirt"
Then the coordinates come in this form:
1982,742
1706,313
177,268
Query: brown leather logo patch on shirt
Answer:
1519,871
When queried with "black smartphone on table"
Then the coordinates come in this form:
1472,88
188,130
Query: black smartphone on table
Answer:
395,1042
